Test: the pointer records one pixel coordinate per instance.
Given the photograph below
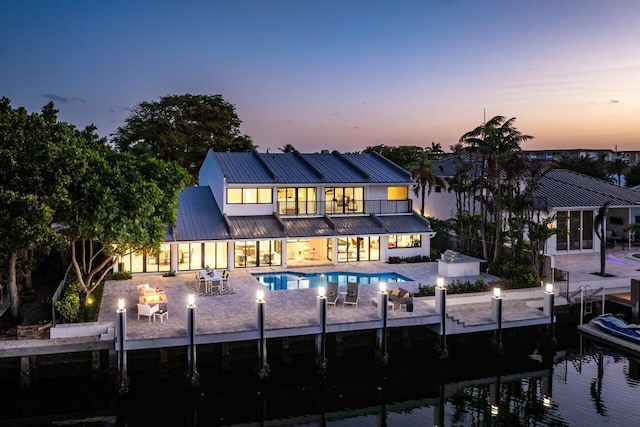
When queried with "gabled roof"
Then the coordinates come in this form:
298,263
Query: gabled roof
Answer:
319,168
198,217
562,188
255,227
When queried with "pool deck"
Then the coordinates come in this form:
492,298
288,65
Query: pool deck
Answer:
232,317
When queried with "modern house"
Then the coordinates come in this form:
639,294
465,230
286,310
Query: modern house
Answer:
572,197
290,209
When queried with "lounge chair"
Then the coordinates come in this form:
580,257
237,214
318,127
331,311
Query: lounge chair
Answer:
352,294
332,293
147,310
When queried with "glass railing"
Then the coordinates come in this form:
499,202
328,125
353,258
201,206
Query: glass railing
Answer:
352,207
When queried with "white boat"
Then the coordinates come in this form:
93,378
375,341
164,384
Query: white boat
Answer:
618,327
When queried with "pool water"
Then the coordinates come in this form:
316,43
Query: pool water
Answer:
293,280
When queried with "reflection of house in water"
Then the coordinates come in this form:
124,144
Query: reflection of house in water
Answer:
291,209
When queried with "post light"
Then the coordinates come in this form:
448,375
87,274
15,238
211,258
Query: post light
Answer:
546,401
191,300
121,304
260,295
321,291
549,288
440,282
383,287
494,410
496,292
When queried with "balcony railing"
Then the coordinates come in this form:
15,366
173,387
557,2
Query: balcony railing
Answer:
352,207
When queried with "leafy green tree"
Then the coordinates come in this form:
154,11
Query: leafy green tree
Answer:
404,156
33,173
121,202
182,128
632,177
585,165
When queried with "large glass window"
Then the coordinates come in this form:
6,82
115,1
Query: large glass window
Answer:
344,200
254,253
297,201
194,256
578,227
405,241
249,196
353,249
147,261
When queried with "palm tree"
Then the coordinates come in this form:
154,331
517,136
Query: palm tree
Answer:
494,140
425,179
618,167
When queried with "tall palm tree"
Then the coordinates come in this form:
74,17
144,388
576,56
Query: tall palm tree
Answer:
425,179
618,167
494,140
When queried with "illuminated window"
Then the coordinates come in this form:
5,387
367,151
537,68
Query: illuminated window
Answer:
397,193
249,195
405,241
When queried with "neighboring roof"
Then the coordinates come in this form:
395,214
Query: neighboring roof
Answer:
320,168
405,223
198,217
562,188
255,227
306,227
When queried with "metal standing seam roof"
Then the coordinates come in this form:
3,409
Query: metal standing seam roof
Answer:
308,227
289,168
562,188
255,227
243,168
199,218
379,168
405,223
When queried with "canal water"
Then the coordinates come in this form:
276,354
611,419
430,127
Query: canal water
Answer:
578,384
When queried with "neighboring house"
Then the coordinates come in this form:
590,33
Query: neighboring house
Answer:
290,209
576,199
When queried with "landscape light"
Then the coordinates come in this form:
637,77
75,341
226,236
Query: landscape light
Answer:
496,292
440,282
121,304
549,288
546,401
383,287
260,295
494,410
191,299
321,291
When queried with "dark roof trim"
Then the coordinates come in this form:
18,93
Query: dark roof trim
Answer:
377,220
390,163
308,164
264,165
332,225
357,168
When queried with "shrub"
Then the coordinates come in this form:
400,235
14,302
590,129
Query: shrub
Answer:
69,305
120,275
408,260
455,287
514,276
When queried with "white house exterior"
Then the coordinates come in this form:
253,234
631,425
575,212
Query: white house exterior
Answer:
290,209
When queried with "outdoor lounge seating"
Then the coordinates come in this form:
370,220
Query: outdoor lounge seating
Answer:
352,295
147,310
332,293
400,296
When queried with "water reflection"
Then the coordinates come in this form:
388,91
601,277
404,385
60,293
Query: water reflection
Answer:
585,385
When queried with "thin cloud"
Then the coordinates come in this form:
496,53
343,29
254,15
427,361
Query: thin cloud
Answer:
63,99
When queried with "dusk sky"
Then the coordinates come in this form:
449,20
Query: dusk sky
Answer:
338,75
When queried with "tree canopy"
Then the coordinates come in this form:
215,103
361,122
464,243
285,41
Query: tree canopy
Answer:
182,128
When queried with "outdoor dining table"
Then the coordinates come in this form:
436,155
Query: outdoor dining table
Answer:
212,279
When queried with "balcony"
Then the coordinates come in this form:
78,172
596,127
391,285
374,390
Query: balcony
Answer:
350,207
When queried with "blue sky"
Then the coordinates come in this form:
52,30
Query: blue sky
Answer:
338,74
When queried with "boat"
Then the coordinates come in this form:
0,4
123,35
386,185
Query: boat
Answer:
618,327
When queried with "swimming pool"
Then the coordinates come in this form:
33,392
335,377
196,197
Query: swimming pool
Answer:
292,280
